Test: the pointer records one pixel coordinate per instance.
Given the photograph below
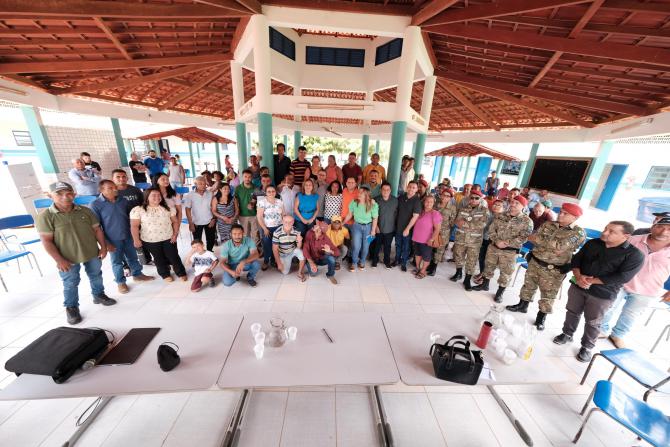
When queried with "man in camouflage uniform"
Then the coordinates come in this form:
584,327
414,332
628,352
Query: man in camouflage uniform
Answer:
447,208
470,222
554,244
508,232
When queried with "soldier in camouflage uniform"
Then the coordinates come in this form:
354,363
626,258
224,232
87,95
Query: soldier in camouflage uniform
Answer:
554,244
470,222
447,208
508,232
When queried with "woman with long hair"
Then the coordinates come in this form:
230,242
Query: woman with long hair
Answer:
304,207
154,225
426,235
364,211
269,213
162,183
333,171
332,203
315,168
226,209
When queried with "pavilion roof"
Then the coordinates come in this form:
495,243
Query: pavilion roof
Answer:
192,134
470,150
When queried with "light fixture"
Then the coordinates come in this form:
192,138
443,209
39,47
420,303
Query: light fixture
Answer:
634,125
313,106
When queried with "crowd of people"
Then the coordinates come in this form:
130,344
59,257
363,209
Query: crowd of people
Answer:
308,215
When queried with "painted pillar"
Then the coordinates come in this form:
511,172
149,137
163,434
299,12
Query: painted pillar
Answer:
499,167
218,156
128,147
249,148
265,140
395,156
442,165
365,144
285,141
522,170
595,171
297,141
413,148
198,147
453,169
38,134
525,175
240,127
242,160
190,153
418,153
377,146
439,164
120,147
467,168
426,109
260,33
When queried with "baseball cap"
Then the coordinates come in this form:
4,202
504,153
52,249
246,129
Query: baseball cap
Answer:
336,218
663,214
663,221
60,186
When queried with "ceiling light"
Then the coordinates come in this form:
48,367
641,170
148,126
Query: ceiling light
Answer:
312,106
13,91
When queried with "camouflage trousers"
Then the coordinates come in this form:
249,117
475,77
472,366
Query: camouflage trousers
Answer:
549,282
468,256
503,260
445,233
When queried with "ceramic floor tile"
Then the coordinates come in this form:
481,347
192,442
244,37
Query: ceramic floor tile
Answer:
249,306
355,422
287,306
424,430
401,295
309,420
348,307
224,306
344,293
318,306
319,292
378,308
34,421
374,294
291,292
407,308
460,420
436,309
190,306
264,419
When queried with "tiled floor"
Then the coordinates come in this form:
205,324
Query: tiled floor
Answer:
330,416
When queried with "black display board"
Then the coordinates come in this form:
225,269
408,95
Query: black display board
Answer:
559,175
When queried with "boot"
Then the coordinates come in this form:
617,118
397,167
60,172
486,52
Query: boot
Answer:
458,275
466,283
483,286
432,267
539,320
499,294
521,306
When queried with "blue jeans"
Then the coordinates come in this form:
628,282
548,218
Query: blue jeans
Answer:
71,281
328,260
303,228
251,269
267,245
402,245
359,243
633,306
124,250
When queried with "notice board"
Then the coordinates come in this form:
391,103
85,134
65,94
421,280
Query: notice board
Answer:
559,175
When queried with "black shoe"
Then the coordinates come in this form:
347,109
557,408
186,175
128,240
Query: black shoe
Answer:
584,355
562,339
458,275
499,295
483,286
521,306
394,264
374,264
104,300
539,321
403,268
432,268
388,266
73,315
252,282
212,283
466,283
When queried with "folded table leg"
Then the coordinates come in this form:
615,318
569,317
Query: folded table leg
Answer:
101,403
381,420
517,425
234,429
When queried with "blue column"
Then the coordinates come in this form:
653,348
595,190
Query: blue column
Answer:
249,144
38,134
265,140
522,170
190,153
420,147
442,165
467,168
437,167
297,141
121,149
499,167
397,145
595,171
528,168
218,156
377,146
241,129
285,142
365,144
453,169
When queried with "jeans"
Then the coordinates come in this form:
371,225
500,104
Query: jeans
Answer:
328,260
267,245
71,281
383,240
251,269
210,234
165,254
303,228
359,243
633,306
402,244
124,251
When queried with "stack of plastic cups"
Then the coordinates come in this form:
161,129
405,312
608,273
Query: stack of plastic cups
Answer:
259,339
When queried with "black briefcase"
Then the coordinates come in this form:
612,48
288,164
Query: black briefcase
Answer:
455,362
59,352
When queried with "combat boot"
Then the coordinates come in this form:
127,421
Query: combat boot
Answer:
521,306
539,320
483,286
466,283
432,267
499,294
458,275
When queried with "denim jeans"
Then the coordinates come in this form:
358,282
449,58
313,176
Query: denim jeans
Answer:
633,306
328,260
301,227
402,245
359,242
71,281
124,251
251,269
267,244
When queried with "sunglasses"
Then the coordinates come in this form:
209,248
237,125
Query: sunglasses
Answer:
474,198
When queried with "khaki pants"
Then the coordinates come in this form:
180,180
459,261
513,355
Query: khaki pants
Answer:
250,225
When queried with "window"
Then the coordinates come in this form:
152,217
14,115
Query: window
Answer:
341,57
22,138
282,44
658,178
389,51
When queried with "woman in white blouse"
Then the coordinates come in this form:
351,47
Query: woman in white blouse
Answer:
269,213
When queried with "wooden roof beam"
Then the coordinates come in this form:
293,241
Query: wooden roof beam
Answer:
498,8
110,35
430,10
250,6
636,6
453,91
340,6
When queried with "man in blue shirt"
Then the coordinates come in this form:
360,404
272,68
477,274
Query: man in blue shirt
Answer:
85,180
112,213
154,164
238,255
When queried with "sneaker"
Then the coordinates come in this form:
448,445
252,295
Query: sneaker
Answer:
337,266
264,266
374,265
584,355
73,315
617,341
142,277
332,279
123,288
104,300
352,268
361,267
388,266
252,282
562,339
403,268
212,283
168,279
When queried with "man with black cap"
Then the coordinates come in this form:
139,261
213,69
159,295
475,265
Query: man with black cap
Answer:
657,217
72,236
470,222
554,244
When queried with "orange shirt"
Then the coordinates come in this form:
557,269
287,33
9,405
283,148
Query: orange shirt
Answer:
347,197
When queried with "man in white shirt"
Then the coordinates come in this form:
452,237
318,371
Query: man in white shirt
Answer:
287,192
198,206
85,180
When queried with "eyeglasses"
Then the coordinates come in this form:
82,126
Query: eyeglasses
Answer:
474,198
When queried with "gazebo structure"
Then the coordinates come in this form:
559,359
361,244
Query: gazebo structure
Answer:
468,150
192,135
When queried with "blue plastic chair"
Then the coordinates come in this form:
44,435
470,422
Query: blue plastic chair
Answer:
9,255
182,190
591,233
556,210
84,200
143,186
645,421
17,222
42,203
521,262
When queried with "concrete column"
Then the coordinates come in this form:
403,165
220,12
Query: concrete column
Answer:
442,164
297,141
265,140
218,156
120,147
413,148
418,153
522,170
397,145
38,134
453,169
198,147
285,142
249,148
260,33
437,167
595,171
377,146
499,167
427,100
190,153
365,144
525,175
241,129
237,82
467,168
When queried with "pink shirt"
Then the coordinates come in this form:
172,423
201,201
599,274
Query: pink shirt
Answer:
425,225
655,270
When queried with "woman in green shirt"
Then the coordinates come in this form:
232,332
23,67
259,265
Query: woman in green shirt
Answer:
364,211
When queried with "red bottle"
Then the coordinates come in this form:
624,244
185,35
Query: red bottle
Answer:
484,334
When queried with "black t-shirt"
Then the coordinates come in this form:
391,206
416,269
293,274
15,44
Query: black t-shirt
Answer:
94,165
281,167
133,195
407,207
138,177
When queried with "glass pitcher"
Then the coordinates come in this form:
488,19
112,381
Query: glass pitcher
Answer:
277,336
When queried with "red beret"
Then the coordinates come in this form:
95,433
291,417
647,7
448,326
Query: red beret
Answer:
424,183
451,191
573,209
476,193
522,200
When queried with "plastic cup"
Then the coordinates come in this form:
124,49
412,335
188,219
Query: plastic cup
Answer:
509,356
434,337
255,329
259,338
292,333
258,351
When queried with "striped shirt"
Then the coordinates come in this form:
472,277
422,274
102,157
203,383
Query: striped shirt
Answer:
300,169
287,242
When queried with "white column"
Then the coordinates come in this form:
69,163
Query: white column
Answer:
428,94
259,27
238,87
410,45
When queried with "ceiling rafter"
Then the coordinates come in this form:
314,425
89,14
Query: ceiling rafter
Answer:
460,97
430,10
176,99
110,35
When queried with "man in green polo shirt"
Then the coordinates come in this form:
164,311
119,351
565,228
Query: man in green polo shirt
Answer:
247,202
71,235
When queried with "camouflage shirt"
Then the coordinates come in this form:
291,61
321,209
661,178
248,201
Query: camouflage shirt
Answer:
448,213
555,244
514,230
474,221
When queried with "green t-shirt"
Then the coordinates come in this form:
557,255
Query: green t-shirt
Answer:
236,253
361,215
73,232
244,196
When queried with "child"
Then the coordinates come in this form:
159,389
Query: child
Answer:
204,262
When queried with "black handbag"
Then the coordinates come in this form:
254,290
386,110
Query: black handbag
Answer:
59,352
167,356
455,362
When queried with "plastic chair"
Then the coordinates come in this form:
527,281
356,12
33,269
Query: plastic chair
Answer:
8,255
645,421
591,233
84,200
42,203
660,336
521,262
17,222
143,186
182,189
556,210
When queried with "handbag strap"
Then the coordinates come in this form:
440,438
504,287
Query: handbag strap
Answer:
460,340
